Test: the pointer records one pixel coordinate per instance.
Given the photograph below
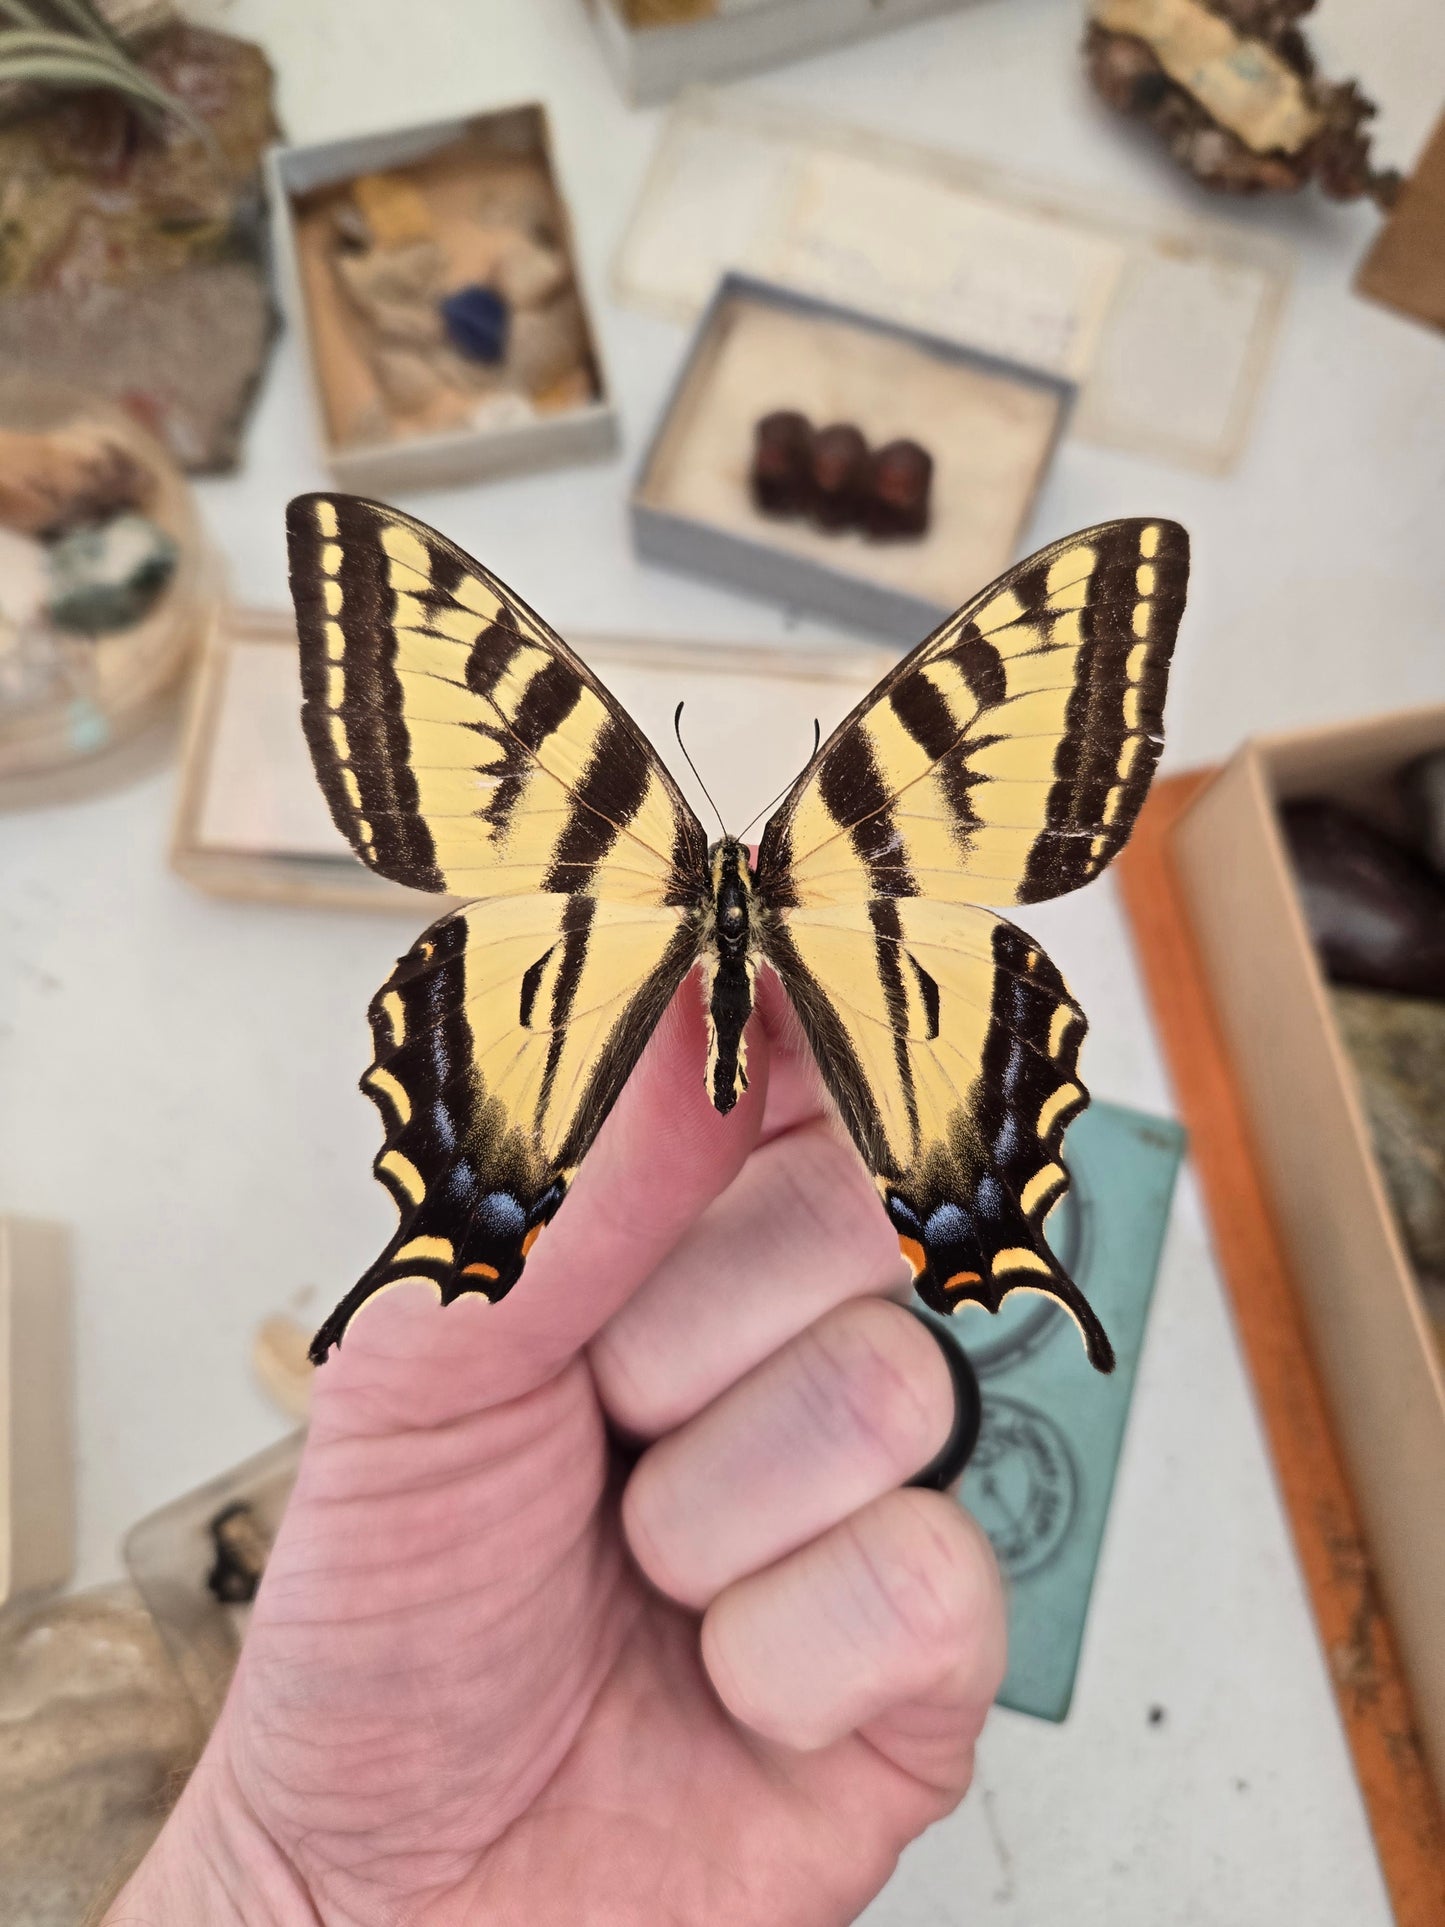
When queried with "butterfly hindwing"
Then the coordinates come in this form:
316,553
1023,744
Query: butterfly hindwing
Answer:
1004,761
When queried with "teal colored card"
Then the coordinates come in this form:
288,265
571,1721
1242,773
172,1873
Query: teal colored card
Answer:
1042,1472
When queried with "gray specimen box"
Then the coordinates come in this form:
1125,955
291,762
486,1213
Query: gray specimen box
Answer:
391,465
739,37
990,425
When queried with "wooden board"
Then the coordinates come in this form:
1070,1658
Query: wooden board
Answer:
1399,1795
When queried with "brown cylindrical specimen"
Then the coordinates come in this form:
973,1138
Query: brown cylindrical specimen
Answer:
900,478
840,475
782,472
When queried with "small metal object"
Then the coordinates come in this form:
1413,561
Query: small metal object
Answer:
947,1467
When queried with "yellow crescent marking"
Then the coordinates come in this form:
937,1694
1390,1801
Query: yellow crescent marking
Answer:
326,521
426,1248
335,686
1148,542
339,739
406,1175
380,1080
1144,578
1141,618
1059,1025
1058,1101
331,596
1017,1259
395,1012
352,788
1039,1187
331,557
335,638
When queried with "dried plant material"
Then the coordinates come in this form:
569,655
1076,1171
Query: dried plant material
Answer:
278,1357
1231,87
517,194
48,483
96,1734
393,210
397,290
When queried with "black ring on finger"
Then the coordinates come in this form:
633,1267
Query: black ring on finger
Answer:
941,1471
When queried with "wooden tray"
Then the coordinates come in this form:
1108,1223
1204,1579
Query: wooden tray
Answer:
1399,1794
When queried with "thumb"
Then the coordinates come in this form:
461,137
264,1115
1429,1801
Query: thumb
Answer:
660,1159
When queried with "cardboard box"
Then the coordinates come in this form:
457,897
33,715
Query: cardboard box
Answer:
439,157
653,58
37,1445
250,819
1165,322
990,425
1377,1353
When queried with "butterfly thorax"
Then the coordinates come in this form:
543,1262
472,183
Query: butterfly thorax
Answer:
730,964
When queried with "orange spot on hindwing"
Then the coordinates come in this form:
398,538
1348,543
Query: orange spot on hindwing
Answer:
913,1251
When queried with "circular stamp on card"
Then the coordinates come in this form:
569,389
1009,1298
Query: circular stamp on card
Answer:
1022,1485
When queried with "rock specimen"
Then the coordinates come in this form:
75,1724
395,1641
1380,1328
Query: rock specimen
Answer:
782,473
1376,913
478,320
132,256
1231,88
1423,786
1397,1045
95,1731
831,475
900,477
109,575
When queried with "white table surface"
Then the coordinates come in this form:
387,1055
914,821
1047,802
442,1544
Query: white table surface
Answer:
179,1074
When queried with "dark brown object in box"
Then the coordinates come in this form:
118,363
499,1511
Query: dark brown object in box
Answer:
840,475
1406,267
782,471
900,478
1377,915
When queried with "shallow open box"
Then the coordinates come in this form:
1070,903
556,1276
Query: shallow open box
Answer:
990,425
653,54
445,161
1374,1345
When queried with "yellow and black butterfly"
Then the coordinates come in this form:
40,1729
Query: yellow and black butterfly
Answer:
464,748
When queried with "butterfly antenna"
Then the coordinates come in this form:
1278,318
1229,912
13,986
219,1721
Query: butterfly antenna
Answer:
677,731
817,738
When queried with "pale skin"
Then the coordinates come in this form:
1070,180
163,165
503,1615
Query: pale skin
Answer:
501,1673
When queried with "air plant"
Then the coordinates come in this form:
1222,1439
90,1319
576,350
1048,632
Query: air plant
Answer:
64,44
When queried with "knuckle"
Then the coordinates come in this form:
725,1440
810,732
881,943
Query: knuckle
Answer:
877,1376
933,1570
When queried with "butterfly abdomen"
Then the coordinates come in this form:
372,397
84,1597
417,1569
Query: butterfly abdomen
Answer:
730,962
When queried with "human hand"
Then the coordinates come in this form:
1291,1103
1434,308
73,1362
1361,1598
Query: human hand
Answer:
494,1676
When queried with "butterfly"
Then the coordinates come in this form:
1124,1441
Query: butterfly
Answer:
463,748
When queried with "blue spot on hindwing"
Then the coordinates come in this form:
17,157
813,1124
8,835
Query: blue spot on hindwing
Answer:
501,1215
948,1225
